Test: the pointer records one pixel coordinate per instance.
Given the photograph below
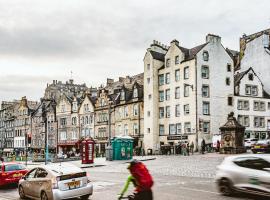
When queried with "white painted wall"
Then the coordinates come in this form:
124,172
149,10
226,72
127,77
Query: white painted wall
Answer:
257,57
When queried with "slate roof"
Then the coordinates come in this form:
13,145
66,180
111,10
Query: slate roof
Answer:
158,56
189,53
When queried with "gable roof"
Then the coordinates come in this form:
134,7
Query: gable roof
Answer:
157,55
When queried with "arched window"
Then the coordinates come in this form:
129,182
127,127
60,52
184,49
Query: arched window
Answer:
86,120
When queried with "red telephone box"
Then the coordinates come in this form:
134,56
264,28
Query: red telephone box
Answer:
87,151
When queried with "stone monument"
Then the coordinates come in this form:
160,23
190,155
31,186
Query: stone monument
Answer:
232,136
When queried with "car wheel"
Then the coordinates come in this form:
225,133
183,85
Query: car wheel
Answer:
44,196
21,192
254,152
85,197
225,187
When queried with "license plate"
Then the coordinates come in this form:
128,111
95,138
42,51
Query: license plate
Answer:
257,147
17,175
73,184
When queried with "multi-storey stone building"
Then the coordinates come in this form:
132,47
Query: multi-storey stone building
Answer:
57,88
252,104
22,125
255,53
187,92
44,122
119,111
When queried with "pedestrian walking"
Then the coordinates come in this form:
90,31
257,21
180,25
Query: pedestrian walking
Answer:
192,147
188,148
218,146
203,146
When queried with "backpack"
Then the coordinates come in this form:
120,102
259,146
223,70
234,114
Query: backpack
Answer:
143,178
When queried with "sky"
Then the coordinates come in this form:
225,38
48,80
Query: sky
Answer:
42,41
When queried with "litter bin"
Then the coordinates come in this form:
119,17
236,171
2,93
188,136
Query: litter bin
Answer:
122,148
109,153
149,152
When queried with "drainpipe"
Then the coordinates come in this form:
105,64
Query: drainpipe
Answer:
196,100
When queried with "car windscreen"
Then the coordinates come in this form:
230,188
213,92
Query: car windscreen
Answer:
14,167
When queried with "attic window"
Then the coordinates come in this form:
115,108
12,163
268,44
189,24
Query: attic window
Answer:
205,56
168,61
250,77
135,93
229,67
122,97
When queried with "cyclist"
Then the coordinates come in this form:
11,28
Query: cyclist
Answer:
141,179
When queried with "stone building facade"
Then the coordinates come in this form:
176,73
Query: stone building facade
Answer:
255,53
252,104
187,92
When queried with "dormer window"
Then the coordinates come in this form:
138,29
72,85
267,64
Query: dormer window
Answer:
63,108
176,60
122,97
250,77
205,56
135,93
74,106
102,102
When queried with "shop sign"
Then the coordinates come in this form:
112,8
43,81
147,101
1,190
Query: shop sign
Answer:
177,137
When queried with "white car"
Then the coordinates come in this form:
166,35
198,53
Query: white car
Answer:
55,182
245,173
250,141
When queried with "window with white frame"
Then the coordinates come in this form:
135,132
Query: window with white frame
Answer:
243,105
251,90
63,122
177,75
161,129
74,105
63,135
135,129
186,72
205,56
206,108
135,93
205,72
74,135
161,96
167,94
177,61
177,93
186,90
187,127
167,78
178,128
206,127
205,91
172,129
177,110
125,129
243,120
148,66
168,111
63,108
126,111
135,109
259,122
161,112
148,80
259,106
186,109
168,62
122,96
161,79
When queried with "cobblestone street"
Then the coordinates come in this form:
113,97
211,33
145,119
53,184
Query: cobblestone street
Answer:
176,177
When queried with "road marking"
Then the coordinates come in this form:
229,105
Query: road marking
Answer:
197,190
